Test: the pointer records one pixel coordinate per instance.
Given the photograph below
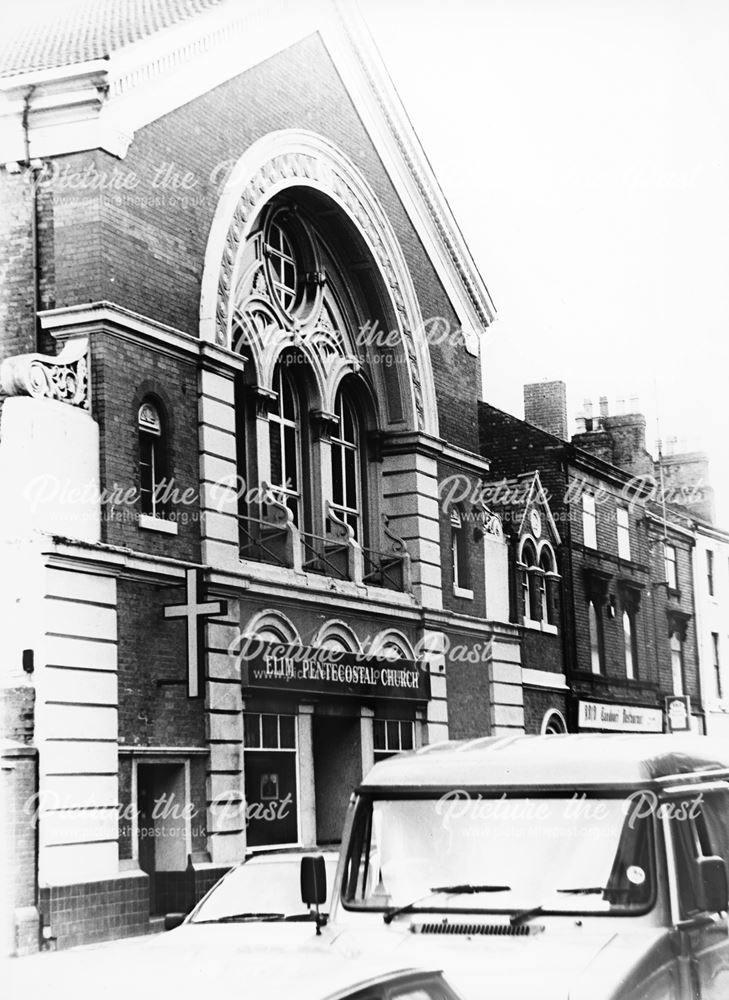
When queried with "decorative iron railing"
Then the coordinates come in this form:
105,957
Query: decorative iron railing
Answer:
268,534
322,554
262,541
383,569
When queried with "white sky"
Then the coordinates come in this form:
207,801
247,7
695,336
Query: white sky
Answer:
583,146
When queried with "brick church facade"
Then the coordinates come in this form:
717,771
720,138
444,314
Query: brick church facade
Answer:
230,581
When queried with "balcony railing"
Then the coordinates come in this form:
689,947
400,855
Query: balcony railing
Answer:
269,535
321,554
262,541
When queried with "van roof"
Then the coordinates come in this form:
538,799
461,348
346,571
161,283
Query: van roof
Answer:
585,760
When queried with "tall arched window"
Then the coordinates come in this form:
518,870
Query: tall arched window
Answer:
595,625
284,425
546,564
530,597
628,641
347,465
677,663
151,459
459,551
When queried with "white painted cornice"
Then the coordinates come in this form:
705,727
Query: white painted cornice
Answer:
101,104
74,321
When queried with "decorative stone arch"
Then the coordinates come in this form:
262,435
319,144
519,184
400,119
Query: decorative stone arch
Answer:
340,632
296,158
393,637
543,546
553,723
272,621
523,542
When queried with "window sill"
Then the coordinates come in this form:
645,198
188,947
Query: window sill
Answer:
463,592
149,523
538,626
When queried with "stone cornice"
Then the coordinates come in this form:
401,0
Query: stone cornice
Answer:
409,442
81,320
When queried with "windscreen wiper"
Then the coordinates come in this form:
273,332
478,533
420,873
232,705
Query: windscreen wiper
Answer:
521,916
451,890
585,890
231,918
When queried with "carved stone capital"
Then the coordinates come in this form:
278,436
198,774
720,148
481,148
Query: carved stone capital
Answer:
64,377
324,423
265,398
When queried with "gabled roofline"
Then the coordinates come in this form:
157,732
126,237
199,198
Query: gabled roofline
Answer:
101,105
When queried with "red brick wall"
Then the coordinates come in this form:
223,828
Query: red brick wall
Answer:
16,274
467,673
153,649
123,374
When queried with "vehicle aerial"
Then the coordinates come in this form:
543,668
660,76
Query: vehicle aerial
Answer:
264,887
589,867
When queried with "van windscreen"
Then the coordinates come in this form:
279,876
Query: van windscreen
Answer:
473,853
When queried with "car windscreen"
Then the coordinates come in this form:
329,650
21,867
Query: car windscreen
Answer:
259,888
475,852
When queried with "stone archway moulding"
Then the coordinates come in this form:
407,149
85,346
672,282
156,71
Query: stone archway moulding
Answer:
294,158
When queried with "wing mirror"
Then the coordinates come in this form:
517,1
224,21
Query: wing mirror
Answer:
713,885
173,920
314,885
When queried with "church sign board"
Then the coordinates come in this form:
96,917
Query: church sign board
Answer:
295,669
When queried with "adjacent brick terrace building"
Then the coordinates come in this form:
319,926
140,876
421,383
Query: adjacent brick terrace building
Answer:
627,613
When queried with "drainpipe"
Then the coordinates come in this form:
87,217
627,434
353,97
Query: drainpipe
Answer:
34,171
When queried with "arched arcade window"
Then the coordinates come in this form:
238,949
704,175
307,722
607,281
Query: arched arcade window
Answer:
347,465
285,432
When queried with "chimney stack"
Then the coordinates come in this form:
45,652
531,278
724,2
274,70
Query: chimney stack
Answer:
545,406
603,406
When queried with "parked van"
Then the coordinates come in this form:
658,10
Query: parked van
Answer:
589,867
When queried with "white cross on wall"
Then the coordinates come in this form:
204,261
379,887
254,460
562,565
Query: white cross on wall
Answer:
193,611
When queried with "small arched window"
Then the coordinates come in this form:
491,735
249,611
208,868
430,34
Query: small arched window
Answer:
151,459
346,465
459,551
284,426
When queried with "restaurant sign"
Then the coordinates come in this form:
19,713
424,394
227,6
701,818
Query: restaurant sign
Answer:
293,669
619,718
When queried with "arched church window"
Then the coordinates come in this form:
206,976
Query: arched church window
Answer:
285,432
347,465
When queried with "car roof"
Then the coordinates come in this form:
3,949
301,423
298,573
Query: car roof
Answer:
586,760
